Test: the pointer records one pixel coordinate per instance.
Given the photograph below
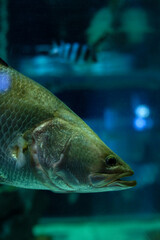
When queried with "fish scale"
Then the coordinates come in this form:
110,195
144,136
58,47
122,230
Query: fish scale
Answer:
16,117
44,145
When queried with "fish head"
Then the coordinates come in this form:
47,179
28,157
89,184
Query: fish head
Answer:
72,158
95,166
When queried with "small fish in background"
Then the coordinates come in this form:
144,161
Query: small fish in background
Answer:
73,53
63,59
44,145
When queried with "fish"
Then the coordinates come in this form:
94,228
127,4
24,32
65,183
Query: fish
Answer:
72,52
45,145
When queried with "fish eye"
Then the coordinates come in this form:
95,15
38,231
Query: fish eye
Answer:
111,161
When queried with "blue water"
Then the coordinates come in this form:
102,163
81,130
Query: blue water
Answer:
111,80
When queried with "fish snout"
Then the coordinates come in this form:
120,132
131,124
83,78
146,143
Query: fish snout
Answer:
111,182
115,165
111,178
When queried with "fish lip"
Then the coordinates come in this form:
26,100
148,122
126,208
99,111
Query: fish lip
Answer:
122,183
115,180
125,174
125,183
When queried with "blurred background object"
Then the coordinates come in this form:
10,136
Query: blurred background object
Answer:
4,26
135,24
100,26
102,58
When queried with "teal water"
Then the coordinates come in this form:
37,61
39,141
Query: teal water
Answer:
102,58
140,228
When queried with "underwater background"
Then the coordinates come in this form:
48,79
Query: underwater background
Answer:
102,58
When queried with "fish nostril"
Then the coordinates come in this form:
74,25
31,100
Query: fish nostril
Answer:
111,161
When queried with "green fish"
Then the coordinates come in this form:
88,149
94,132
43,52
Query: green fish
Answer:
44,145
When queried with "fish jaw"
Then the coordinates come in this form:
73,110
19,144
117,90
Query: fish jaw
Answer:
69,157
112,182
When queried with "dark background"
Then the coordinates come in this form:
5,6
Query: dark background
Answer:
107,102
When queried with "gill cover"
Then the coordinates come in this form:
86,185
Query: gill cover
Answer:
50,145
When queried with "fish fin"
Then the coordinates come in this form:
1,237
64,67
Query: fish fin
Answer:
7,188
2,179
18,151
2,62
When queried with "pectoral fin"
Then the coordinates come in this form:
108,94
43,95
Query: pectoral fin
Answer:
2,178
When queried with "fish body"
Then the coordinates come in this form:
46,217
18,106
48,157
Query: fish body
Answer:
45,145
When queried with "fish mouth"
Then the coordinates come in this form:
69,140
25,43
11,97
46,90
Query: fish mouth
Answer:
112,181
119,182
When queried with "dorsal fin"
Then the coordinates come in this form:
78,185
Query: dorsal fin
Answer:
3,62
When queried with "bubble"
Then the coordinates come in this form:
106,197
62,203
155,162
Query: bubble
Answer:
5,82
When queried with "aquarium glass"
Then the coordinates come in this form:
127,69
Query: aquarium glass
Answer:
102,59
